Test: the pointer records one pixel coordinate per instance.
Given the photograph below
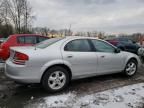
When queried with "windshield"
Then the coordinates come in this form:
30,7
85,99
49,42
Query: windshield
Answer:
47,43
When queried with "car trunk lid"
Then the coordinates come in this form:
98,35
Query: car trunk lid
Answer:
20,55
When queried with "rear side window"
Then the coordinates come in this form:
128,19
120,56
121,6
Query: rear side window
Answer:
79,45
26,39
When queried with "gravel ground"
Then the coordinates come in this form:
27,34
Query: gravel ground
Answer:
14,95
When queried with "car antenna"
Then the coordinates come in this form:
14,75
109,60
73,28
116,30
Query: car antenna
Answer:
35,47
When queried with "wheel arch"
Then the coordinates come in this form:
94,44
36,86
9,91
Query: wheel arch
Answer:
58,64
125,72
133,58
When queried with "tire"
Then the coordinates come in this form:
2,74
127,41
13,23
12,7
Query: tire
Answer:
131,68
55,79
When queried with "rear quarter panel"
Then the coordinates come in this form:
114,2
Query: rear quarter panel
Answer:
42,59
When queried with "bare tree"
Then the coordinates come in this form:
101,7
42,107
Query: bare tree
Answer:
1,11
88,34
101,35
45,31
41,30
14,8
27,15
61,33
18,12
5,27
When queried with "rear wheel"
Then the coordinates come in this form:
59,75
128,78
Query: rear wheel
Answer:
55,79
131,68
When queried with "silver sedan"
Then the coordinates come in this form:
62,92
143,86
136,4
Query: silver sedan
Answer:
55,62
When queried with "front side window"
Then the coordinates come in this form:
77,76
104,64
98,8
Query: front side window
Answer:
79,45
101,46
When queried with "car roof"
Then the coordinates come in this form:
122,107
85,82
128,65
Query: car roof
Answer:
80,37
119,38
26,35
84,37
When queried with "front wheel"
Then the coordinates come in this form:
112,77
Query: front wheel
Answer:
55,79
131,68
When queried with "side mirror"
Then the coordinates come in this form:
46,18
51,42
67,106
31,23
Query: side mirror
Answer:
117,50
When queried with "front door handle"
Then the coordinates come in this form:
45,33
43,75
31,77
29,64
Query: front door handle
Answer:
102,56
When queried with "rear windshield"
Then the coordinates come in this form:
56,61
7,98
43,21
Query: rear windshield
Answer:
47,43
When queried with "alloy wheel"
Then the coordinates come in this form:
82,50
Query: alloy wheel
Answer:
131,68
57,80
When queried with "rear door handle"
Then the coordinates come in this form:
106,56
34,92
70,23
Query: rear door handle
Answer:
69,56
102,56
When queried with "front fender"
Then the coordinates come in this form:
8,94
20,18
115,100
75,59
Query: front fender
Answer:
130,56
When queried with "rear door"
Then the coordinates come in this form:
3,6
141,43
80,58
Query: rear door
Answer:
79,54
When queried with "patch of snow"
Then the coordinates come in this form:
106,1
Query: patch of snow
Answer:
61,100
131,96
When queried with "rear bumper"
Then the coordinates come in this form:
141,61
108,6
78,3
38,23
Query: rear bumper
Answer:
21,73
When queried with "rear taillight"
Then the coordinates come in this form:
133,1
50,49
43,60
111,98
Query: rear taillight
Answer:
20,58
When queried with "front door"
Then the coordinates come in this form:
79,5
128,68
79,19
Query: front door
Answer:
108,60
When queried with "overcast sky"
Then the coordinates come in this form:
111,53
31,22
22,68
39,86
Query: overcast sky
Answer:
110,16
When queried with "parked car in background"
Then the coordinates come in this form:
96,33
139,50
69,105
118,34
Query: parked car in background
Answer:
55,62
19,40
125,44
